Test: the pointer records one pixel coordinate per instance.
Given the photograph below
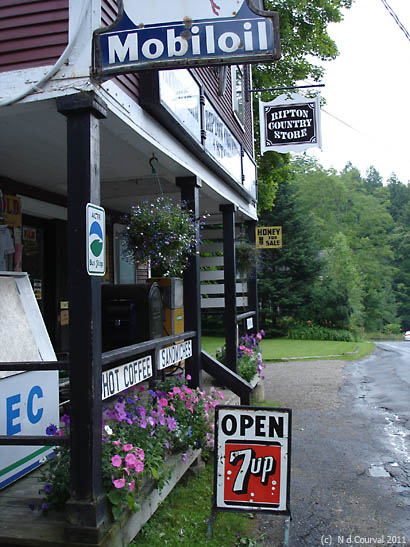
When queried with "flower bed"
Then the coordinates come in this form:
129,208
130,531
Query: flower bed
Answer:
141,429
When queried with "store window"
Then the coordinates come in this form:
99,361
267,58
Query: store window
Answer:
124,270
238,92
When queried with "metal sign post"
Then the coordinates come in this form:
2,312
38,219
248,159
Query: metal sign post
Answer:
252,461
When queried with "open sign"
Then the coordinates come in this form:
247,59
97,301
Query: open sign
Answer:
252,459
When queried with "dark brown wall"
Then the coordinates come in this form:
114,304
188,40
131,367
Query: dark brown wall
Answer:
32,32
127,82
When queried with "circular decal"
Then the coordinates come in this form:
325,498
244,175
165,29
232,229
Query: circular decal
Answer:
164,11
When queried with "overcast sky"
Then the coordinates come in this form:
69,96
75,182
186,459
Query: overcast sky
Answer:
367,88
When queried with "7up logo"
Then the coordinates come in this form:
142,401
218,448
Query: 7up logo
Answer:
95,239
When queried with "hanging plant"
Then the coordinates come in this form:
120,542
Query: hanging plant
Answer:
246,258
162,233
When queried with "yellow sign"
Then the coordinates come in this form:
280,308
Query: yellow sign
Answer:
269,237
12,210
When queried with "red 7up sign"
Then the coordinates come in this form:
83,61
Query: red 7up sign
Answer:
252,459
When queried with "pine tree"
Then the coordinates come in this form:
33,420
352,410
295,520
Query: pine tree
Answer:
286,275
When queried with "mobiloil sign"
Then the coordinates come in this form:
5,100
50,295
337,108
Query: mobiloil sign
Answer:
163,34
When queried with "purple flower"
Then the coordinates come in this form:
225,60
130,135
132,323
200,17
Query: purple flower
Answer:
47,488
51,430
65,419
172,423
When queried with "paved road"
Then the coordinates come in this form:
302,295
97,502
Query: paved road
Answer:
350,481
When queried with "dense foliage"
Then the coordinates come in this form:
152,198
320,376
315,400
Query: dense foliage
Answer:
139,429
356,271
160,232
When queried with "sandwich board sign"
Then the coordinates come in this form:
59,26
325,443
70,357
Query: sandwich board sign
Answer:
252,459
29,400
181,34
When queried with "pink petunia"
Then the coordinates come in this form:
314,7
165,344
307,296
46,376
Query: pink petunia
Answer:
116,461
140,453
132,485
130,460
188,377
127,447
117,443
119,483
163,402
139,466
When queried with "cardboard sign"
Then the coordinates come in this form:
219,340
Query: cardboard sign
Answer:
252,459
269,237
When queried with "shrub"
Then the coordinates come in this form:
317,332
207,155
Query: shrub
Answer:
316,332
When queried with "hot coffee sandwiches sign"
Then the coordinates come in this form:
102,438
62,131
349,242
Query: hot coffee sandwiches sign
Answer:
176,33
290,124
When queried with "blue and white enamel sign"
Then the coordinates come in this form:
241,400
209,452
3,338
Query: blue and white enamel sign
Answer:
163,34
95,226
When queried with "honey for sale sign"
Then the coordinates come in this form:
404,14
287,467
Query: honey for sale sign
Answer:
252,459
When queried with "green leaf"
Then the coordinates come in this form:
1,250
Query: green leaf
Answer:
115,496
116,512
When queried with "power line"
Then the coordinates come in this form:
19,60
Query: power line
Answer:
395,17
341,121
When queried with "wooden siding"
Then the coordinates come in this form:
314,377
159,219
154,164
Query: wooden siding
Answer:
129,83
32,33
209,78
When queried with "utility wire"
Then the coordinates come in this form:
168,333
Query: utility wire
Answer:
395,17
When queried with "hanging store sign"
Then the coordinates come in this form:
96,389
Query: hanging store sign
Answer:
117,379
290,124
269,237
157,34
252,459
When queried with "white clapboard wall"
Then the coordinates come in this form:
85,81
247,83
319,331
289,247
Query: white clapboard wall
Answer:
212,272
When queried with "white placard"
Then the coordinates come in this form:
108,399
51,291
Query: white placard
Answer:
125,376
174,354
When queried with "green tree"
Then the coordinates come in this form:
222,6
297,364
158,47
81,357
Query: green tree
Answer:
340,202
304,39
338,294
286,275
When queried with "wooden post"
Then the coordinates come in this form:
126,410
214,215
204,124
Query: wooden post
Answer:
253,279
192,284
228,216
86,509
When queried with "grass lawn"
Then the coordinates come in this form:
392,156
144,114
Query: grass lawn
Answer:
277,348
182,519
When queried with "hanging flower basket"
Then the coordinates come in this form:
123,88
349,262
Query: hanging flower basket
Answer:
246,258
162,233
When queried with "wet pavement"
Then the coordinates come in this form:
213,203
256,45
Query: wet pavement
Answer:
350,472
